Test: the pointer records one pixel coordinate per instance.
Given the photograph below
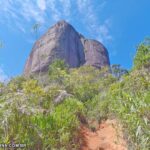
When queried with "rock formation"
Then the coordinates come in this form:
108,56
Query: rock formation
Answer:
62,41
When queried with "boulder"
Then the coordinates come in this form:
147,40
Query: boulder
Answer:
61,97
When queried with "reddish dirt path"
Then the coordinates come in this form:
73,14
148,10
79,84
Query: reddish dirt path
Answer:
108,136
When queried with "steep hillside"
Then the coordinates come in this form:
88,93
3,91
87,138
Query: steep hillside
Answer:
79,108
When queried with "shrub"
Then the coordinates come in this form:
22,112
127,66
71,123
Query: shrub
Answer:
58,71
142,57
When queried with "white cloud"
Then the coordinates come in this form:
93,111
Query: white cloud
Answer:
104,30
66,4
56,15
23,13
3,76
41,4
30,12
94,24
82,4
63,11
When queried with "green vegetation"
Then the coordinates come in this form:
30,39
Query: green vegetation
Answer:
142,58
117,71
58,72
29,114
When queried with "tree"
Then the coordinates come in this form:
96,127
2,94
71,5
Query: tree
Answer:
16,83
118,71
58,71
35,29
142,57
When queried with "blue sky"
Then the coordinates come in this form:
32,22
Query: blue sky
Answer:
119,24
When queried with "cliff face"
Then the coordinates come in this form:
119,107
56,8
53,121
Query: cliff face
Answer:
62,41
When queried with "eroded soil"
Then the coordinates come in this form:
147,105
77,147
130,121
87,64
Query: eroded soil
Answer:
107,136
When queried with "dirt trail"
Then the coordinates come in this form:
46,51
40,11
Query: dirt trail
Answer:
108,136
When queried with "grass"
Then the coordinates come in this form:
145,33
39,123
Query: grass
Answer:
28,114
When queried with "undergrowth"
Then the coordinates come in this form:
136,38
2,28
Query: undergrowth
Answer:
29,114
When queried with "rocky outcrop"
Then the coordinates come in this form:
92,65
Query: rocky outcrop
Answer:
61,97
95,53
62,41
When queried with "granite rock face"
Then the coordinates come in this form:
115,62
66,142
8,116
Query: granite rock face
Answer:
62,41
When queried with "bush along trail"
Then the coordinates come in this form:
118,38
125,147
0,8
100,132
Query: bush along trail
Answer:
83,108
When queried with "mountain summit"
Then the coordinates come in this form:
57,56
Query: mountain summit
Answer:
62,41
